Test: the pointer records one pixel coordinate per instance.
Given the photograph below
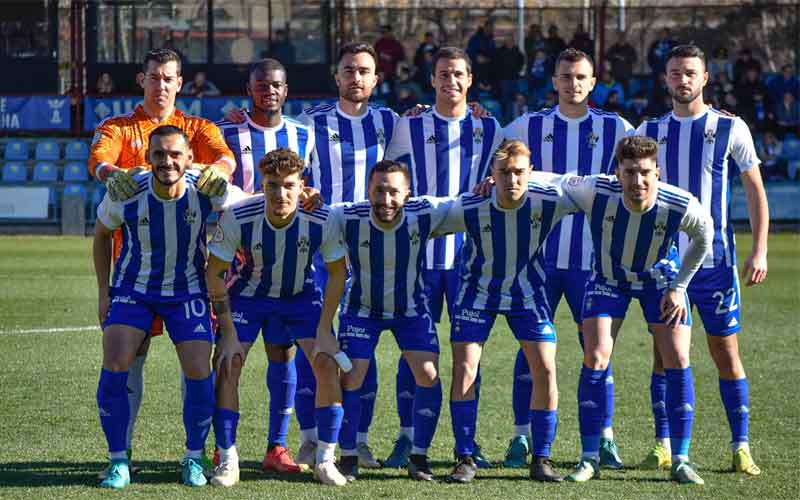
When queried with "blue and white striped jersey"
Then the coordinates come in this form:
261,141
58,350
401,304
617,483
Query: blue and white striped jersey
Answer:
499,272
580,146
694,154
274,262
386,265
447,157
163,253
250,142
345,148
635,250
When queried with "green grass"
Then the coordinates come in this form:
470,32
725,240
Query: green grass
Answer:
51,444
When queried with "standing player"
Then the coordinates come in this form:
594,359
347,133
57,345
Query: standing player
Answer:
634,221
120,143
448,150
568,138
262,130
160,271
696,145
272,290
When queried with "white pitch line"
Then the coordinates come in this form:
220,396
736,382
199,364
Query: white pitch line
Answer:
53,330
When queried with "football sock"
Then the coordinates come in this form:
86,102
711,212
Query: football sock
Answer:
113,408
304,396
464,416
591,408
608,416
427,407
658,399
405,387
198,410
351,405
228,454
680,410
225,424
329,422
521,390
281,384
135,393
543,424
369,390
736,399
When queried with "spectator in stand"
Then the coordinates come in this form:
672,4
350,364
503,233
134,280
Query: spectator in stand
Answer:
773,165
614,103
390,52
282,49
520,106
743,64
622,57
482,42
720,63
423,61
105,84
659,50
539,77
534,40
604,87
200,86
720,86
730,103
745,90
659,104
550,99
660,90
483,77
786,82
509,62
762,118
553,44
582,41
405,89
637,108
787,115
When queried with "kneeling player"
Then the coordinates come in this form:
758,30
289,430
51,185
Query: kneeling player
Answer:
271,291
634,221
160,272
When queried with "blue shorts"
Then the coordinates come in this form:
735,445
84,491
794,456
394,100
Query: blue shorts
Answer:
569,284
715,294
187,320
282,321
358,337
604,300
473,325
440,283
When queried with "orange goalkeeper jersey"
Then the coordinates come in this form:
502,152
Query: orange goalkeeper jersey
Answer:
123,140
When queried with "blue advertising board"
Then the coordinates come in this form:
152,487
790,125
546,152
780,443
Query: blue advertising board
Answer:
35,113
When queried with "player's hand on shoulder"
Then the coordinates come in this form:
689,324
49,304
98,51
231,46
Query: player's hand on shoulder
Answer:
236,115
478,111
213,180
727,113
121,185
673,307
416,110
310,198
484,187
755,269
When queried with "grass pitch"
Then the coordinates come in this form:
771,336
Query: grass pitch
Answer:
51,444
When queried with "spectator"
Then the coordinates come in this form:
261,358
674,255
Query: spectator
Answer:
659,50
200,86
785,82
550,100
483,77
482,41
405,86
787,115
622,57
390,52
105,84
660,90
428,46
745,90
534,40
539,76
424,72
614,103
604,87
508,63
281,48
406,100
773,165
730,103
760,117
659,104
553,44
520,106
637,108
743,64
582,41
720,86
720,64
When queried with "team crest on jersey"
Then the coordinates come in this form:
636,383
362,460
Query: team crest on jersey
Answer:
303,245
548,138
536,220
487,228
190,216
710,136
660,228
414,237
247,150
477,135
662,140
431,139
335,137
592,139
381,136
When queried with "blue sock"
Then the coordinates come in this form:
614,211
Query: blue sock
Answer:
658,400
591,408
478,386
464,415
543,427
198,410
680,409
736,399
427,407
369,390
225,424
305,393
329,421
405,388
521,390
281,384
351,405
113,408
608,416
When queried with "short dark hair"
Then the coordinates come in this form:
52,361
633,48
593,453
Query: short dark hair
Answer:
636,147
452,53
166,131
162,56
282,162
357,48
265,65
573,55
388,167
685,51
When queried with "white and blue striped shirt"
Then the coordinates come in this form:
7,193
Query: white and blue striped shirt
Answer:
694,154
634,250
580,146
250,142
345,149
499,272
446,157
274,262
386,265
163,253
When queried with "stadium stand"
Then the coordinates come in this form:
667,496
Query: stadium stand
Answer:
76,151
16,150
47,150
45,171
14,172
75,172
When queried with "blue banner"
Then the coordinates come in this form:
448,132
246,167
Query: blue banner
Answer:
97,109
35,113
